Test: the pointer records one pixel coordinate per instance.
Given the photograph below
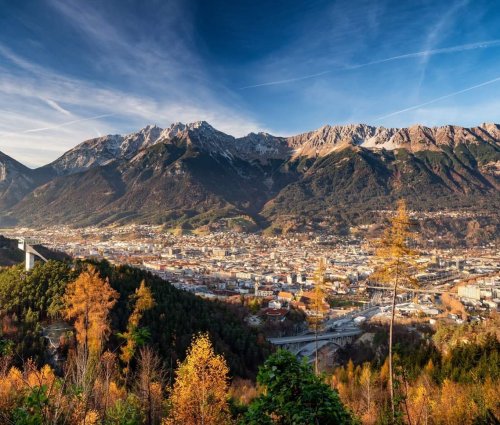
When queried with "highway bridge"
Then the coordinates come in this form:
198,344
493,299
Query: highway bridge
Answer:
294,343
402,288
28,246
437,289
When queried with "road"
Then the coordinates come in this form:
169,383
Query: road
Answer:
309,338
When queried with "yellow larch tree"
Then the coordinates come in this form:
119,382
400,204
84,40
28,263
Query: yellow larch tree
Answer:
318,306
88,300
396,266
200,392
455,406
366,380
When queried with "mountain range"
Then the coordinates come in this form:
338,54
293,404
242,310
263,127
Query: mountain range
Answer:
193,176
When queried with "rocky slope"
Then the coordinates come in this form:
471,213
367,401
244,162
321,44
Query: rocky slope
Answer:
193,175
16,181
102,150
415,138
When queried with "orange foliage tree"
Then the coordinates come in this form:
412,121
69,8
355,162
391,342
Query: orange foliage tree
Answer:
318,306
200,392
89,300
396,266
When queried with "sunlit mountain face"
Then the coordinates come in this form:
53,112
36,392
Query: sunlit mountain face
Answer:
194,175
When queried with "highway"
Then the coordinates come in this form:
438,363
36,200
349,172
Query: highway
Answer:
309,338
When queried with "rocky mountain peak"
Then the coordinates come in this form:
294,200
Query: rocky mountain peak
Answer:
102,150
264,146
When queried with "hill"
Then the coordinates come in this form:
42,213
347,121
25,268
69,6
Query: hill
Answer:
28,302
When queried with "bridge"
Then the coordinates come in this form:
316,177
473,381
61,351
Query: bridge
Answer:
437,291
295,343
402,288
27,245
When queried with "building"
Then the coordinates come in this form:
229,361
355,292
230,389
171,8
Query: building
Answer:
470,291
263,291
220,252
285,296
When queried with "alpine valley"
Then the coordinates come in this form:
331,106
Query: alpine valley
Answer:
192,176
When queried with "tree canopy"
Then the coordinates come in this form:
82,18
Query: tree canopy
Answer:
294,395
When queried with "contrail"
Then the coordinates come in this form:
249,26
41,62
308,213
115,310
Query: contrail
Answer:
290,80
461,48
437,99
453,49
64,124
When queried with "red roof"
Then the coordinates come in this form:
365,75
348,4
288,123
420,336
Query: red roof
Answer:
276,311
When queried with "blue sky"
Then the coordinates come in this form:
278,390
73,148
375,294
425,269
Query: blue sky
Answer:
75,69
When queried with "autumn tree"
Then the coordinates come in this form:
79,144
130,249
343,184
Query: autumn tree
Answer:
318,306
454,305
455,405
135,336
200,392
421,397
366,382
88,301
395,266
149,385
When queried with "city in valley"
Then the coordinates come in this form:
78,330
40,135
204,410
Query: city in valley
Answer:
253,212
273,278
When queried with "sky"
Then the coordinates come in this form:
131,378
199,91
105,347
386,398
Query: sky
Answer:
71,70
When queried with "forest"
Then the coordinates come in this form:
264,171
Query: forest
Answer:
451,376
139,351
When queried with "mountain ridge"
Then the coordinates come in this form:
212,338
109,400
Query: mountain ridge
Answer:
195,175
319,142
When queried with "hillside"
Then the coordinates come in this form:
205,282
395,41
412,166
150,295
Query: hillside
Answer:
16,181
10,254
176,317
194,175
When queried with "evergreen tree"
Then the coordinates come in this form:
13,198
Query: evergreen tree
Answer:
294,395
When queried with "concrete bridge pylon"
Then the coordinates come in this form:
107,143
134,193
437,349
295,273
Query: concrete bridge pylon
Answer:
27,245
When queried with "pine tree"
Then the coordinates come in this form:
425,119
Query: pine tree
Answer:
396,266
293,394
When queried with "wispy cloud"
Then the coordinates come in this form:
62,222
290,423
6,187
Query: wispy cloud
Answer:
437,32
54,105
438,99
421,54
154,88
